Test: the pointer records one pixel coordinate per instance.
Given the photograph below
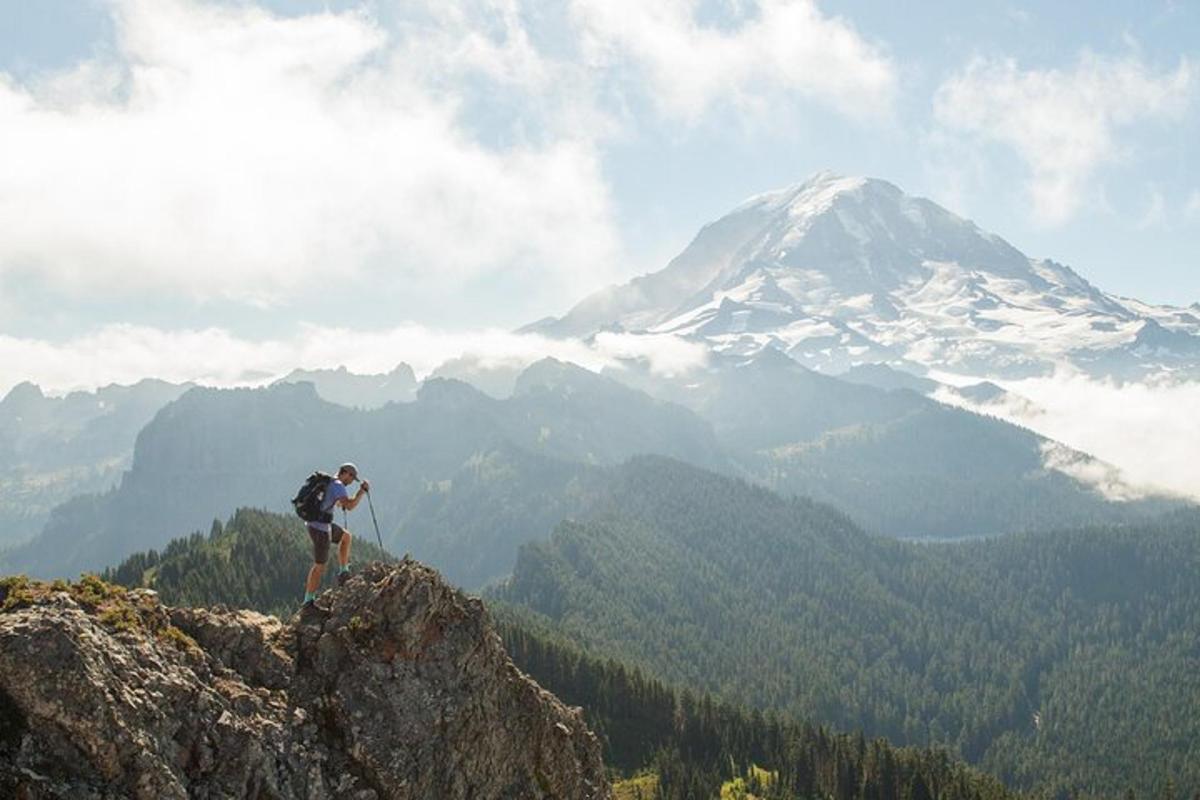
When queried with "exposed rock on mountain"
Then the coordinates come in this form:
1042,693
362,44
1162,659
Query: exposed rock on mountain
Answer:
359,391
397,688
495,378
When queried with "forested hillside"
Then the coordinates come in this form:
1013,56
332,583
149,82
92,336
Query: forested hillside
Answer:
694,744
683,745
256,559
896,462
1065,661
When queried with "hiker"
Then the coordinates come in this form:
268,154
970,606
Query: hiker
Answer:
324,530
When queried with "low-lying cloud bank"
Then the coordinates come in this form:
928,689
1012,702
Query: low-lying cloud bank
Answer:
125,354
1150,430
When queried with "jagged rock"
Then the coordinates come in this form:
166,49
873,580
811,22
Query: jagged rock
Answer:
249,643
397,687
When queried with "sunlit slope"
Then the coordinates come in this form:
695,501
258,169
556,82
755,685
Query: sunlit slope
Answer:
983,646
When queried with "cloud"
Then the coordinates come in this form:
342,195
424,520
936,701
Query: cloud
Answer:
777,49
125,354
1150,430
223,151
1191,209
1062,124
1155,215
1100,475
1018,16
663,353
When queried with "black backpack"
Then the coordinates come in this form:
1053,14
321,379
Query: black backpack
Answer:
307,501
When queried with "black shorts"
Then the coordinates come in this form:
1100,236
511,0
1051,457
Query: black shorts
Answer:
321,539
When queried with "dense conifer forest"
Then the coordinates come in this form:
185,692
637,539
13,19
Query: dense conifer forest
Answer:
694,746
257,560
1064,662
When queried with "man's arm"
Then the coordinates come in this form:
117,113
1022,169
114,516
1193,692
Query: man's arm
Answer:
349,503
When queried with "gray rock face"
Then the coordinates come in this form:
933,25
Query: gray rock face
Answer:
397,687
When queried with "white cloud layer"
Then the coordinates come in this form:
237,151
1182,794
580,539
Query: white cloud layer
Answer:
1150,430
1062,124
1155,215
1191,209
125,354
779,47
224,151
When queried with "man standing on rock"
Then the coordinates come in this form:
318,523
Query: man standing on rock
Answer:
322,533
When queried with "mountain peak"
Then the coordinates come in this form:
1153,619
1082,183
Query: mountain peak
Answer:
550,373
23,394
838,236
815,192
355,390
838,271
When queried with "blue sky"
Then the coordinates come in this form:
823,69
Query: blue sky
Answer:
176,173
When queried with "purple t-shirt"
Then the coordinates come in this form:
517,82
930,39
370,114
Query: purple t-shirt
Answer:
336,490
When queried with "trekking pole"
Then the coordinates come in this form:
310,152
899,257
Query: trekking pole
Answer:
375,522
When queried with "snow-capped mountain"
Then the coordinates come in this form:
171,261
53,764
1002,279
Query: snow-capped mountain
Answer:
838,272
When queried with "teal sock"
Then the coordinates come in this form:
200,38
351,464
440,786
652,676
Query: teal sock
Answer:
310,596
345,567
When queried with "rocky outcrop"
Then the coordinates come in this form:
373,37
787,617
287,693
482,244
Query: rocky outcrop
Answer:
396,687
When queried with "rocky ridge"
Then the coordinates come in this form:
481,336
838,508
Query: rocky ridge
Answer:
396,686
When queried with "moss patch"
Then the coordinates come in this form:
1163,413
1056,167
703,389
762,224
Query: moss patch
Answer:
16,591
109,603
121,617
180,640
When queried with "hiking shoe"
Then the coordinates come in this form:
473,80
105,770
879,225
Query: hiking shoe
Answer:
343,577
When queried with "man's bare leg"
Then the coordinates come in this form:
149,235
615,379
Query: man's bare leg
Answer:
344,558
314,578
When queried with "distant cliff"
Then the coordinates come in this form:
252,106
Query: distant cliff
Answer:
398,688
